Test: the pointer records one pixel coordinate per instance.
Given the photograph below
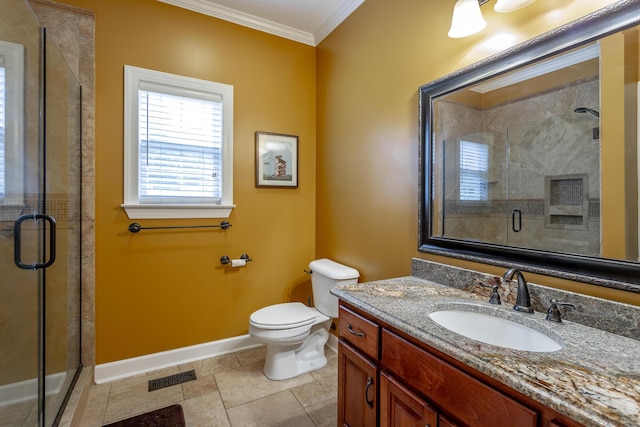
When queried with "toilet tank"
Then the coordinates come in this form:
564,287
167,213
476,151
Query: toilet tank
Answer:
325,275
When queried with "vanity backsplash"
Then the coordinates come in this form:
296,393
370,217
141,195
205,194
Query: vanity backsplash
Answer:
614,317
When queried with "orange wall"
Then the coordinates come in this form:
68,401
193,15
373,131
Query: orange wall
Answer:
160,290
369,70
357,199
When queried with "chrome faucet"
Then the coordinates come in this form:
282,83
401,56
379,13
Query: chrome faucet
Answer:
523,300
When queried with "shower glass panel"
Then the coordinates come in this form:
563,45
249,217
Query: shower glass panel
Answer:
62,158
474,188
554,187
19,305
39,223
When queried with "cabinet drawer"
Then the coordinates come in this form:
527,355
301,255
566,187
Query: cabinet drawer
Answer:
359,331
453,390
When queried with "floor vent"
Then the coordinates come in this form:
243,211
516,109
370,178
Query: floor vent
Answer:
175,379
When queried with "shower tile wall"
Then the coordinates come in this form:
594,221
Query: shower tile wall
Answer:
545,137
73,31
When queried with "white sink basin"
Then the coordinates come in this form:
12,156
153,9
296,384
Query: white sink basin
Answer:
494,330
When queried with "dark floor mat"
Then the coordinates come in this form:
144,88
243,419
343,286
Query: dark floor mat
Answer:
171,416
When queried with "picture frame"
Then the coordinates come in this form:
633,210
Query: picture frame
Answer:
276,160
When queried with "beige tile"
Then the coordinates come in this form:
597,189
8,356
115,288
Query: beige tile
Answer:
134,399
250,357
328,376
99,394
311,394
93,416
160,373
324,414
202,385
234,381
205,410
211,365
248,383
124,385
263,412
15,414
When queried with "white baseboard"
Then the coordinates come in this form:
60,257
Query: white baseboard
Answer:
139,365
25,391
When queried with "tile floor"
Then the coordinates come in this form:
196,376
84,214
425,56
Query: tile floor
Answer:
230,390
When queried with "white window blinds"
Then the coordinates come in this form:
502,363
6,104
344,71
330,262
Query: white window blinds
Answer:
474,167
180,145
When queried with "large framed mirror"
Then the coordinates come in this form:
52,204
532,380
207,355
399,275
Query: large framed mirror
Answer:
530,158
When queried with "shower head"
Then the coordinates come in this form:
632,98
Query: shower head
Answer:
587,110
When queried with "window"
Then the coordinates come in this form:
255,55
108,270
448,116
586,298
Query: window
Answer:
474,169
178,146
11,123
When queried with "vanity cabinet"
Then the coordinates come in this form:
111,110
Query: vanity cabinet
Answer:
358,370
388,379
401,407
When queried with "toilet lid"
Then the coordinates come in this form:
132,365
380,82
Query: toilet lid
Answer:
283,316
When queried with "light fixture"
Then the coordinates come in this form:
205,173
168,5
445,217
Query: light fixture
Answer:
467,18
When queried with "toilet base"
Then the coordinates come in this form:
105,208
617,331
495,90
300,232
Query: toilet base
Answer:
284,361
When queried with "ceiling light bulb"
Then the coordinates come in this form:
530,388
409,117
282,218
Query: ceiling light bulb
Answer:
503,6
467,19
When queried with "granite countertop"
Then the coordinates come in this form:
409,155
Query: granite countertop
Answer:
594,379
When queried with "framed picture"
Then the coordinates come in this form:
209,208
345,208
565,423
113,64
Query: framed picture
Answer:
276,160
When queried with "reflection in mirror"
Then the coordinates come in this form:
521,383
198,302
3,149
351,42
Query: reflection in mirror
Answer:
518,165
530,157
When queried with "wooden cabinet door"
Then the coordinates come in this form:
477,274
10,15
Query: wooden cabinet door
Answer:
401,408
445,422
357,389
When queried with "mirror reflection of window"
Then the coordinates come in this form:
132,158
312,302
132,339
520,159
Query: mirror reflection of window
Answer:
474,171
11,123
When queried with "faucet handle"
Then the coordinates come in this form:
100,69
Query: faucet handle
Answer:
494,298
553,314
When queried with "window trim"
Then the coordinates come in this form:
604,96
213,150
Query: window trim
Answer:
14,123
133,78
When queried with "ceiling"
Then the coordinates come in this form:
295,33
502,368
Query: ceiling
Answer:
304,21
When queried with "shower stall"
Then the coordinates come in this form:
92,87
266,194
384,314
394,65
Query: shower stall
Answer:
40,211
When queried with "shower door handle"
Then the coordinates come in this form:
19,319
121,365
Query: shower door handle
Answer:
517,212
17,247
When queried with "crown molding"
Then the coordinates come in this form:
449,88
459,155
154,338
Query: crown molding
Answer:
336,19
539,69
241,18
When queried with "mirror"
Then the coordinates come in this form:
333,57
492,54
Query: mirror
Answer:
520,168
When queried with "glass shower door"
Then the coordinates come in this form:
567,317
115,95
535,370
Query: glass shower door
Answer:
39,222
20,194
62,201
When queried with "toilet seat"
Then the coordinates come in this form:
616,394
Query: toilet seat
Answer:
283,316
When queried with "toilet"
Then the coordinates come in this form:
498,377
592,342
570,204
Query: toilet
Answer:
295,334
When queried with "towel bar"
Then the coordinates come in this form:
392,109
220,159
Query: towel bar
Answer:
134,227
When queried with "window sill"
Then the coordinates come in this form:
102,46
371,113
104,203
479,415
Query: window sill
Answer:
177,211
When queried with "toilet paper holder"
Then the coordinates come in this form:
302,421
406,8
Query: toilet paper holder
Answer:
224,260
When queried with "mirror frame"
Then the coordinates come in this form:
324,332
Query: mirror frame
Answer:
617,274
